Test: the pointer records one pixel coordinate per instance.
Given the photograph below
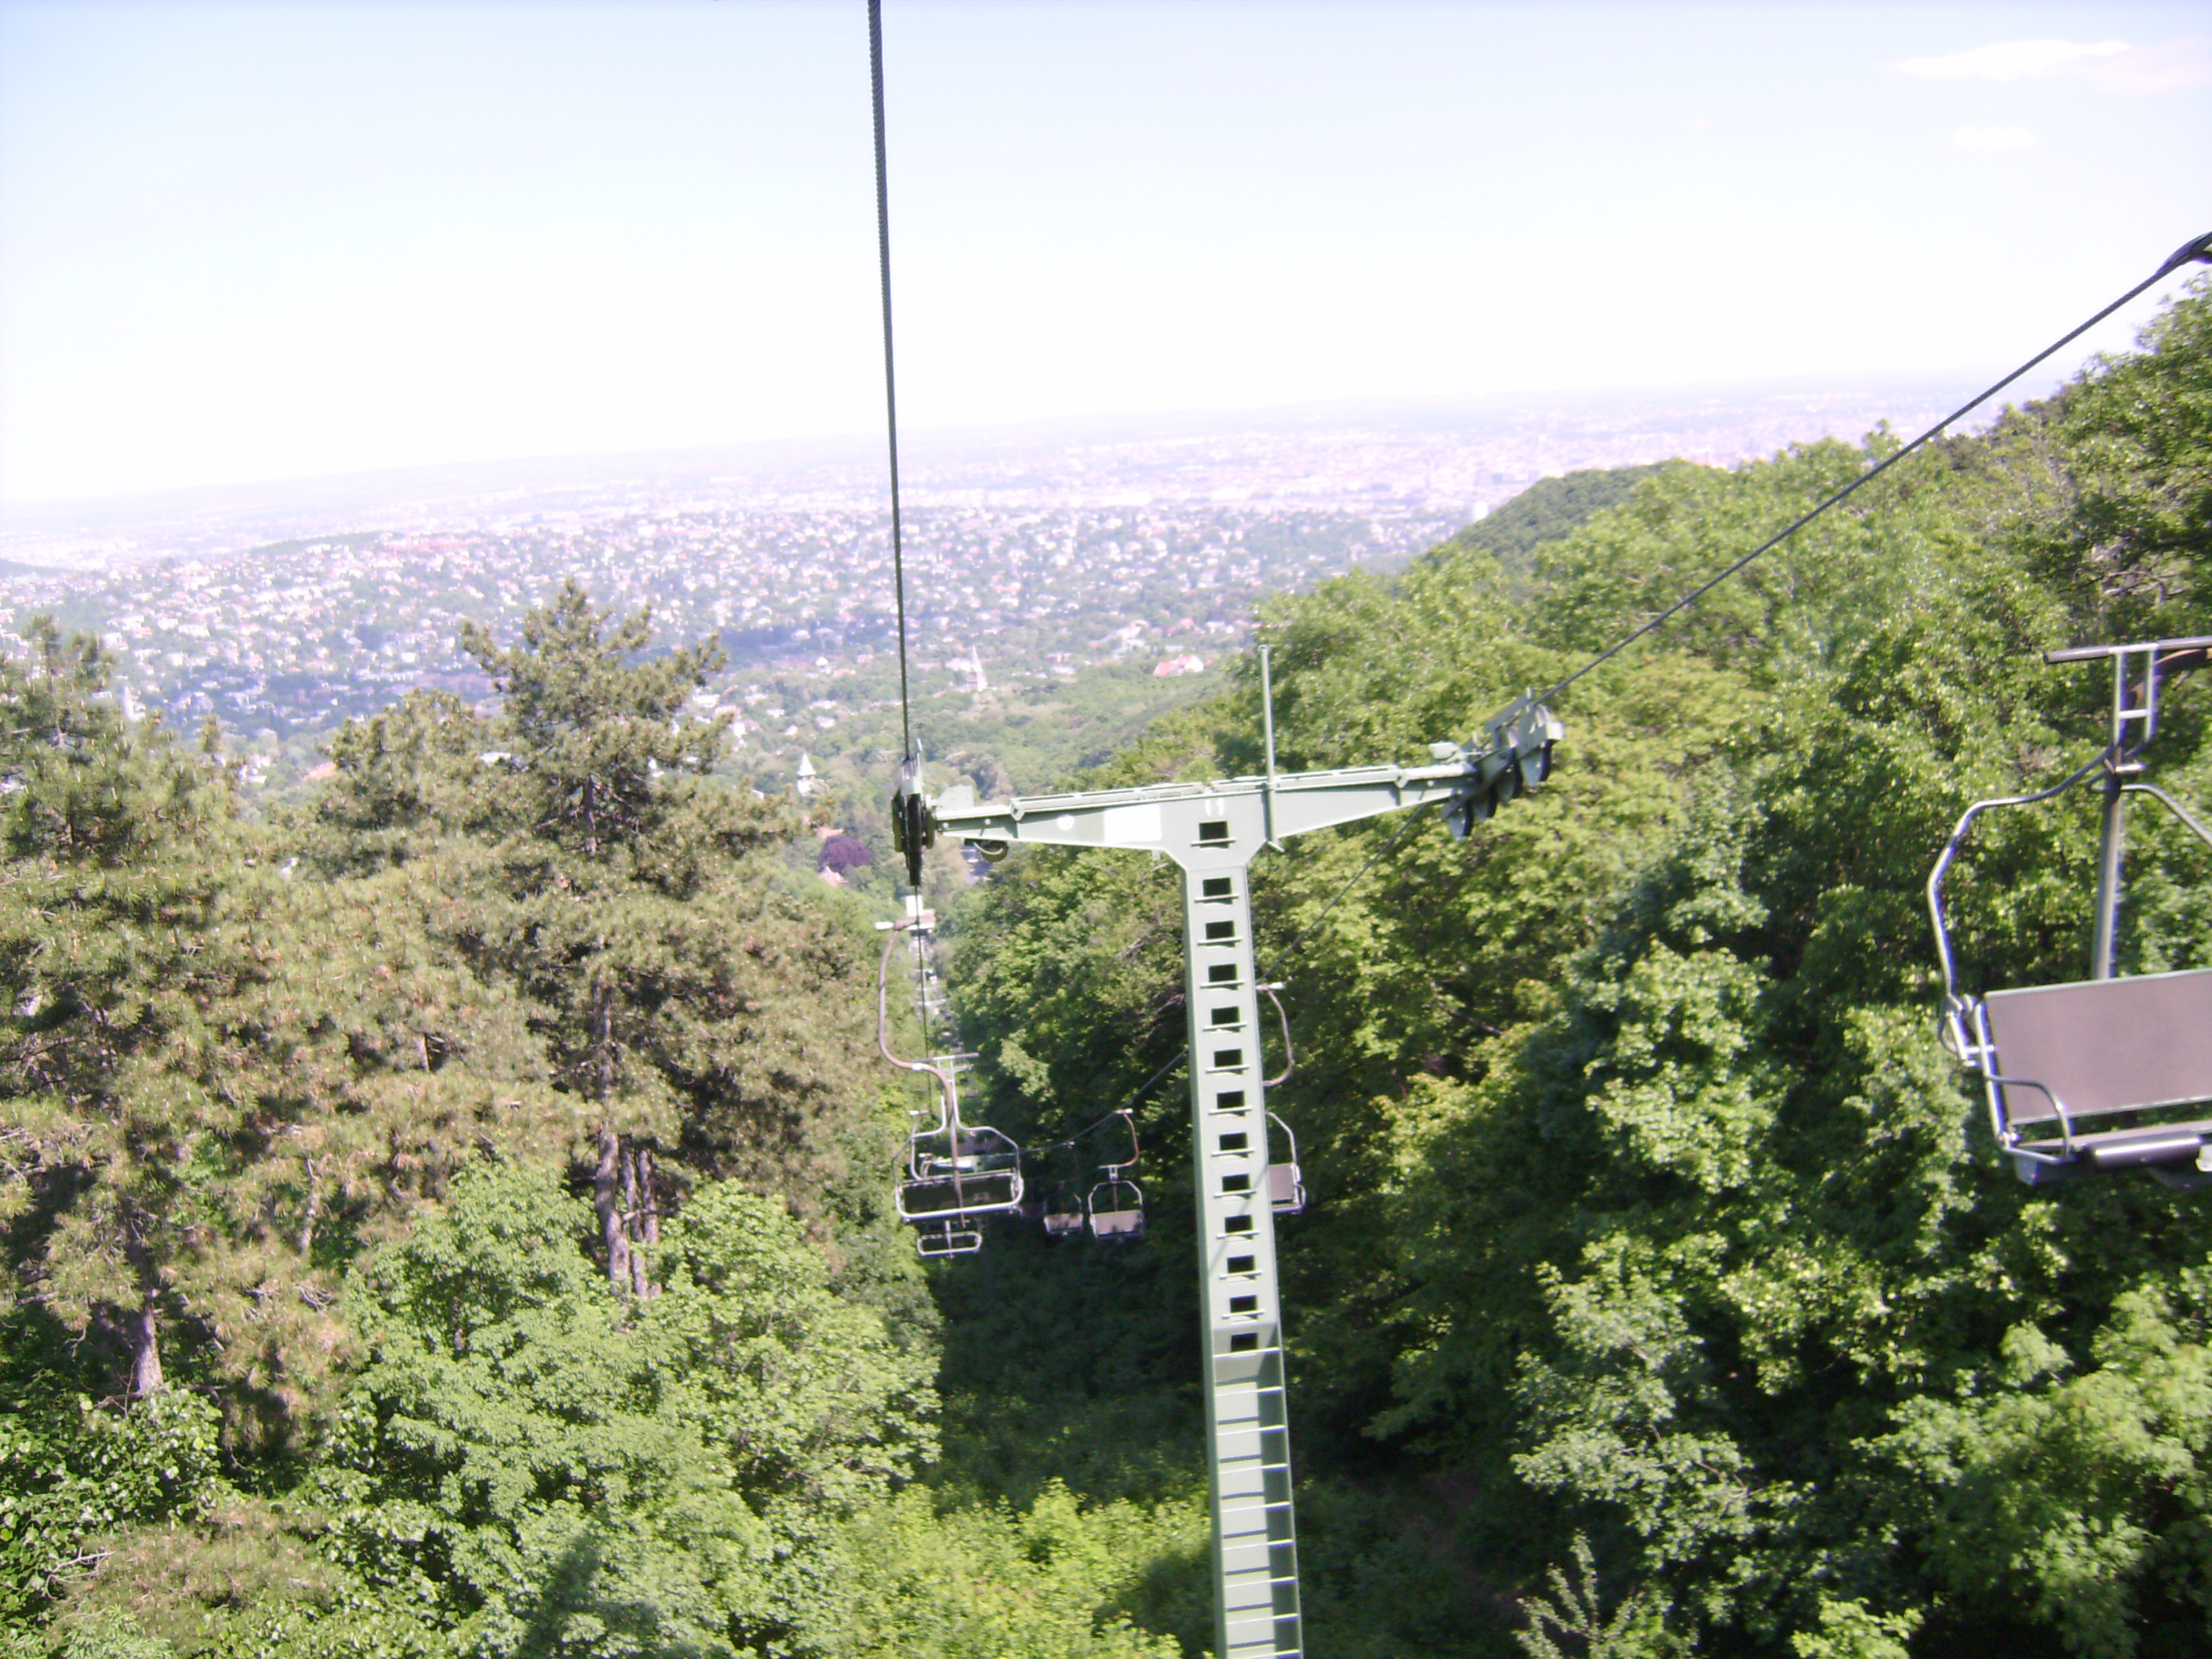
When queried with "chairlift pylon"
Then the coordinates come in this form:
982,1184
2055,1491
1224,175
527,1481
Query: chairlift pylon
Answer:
2126,1053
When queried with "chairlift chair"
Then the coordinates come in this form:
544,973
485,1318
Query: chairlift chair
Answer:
1117,1209
1064,1211
943,1238
2131,1055
1114,1208
951,1173
1287,1193
959,1172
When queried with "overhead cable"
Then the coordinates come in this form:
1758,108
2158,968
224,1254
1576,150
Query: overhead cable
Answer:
2199,251
890,384
1380,853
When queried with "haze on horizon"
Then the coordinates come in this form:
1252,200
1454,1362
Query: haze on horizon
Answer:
245,241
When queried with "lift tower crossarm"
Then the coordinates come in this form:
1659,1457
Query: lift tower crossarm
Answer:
1166,817
1213,831
1156,817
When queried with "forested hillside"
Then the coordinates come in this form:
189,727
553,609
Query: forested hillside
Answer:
1549,510
452,1219
1664,1291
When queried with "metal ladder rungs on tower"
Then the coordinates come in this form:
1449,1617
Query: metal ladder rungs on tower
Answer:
1212,830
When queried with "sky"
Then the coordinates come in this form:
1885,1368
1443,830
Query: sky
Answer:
273,239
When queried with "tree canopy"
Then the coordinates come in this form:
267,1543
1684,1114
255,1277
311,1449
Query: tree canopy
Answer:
453,1220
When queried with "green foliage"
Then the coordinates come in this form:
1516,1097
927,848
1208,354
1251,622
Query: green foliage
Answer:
238,1060
246,1576
555,1470
1548,511
1651,1299
1575,1611
72,1472
508,1457
1643,1209
985,1583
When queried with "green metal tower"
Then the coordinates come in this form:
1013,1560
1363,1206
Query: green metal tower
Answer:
1213,831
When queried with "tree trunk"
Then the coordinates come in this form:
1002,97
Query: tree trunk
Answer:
145,1328
314,1209
614,1227
607,1199
649,1219
634,1213
651,1211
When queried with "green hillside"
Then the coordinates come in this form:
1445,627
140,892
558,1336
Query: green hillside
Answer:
451,1219
1656,1243
1549,510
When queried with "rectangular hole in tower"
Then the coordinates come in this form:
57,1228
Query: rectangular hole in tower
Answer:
1224,1016
1216,887
1228,1059
1242,1264
1237,1224
1235,1142
1218,931
1229,1100
1222,973
1215,834
1244,1304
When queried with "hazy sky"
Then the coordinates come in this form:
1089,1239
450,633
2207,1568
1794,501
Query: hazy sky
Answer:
253,240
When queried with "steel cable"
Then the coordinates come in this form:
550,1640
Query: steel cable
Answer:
890,384
2199,251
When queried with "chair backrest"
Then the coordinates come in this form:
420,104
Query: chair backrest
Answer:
940,1196
2104,1045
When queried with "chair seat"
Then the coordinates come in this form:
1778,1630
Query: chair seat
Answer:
931,1242
2102,1046
2124,1149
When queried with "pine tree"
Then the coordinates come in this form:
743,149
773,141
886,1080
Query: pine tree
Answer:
696,1016
113,846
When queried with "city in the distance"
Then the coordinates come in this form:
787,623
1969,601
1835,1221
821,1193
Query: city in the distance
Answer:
1032,553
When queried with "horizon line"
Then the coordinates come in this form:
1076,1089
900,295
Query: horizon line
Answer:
1856,382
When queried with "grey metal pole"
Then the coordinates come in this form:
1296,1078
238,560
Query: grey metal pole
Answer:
1268,716
2110,843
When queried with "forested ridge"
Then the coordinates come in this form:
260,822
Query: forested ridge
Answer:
452,1219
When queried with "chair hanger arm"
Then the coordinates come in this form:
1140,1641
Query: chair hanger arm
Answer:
1951,851
2171,806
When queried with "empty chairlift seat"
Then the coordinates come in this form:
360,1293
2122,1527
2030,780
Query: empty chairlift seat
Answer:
959,1174
2112,1072
1063,1212
2102,1073
943,1238
1115,1206
1286,1192
1117,1212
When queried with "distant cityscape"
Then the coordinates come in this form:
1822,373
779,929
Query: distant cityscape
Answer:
284,610
295,637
